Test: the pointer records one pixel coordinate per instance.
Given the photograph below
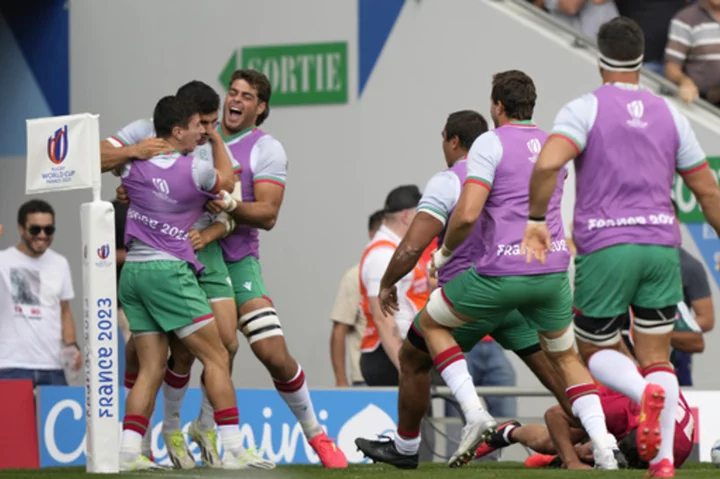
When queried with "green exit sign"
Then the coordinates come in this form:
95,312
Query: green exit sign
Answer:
301,74
688,208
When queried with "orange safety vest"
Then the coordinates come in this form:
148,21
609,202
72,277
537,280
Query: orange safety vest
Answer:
418,294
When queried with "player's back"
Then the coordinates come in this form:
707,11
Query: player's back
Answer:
625,173
502,223
165,202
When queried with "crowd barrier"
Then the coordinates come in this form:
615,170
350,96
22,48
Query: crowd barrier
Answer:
267,423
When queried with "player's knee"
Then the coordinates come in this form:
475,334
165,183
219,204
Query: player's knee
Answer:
413,360
439,312
232,346
654,321
260,324
561,343
599,332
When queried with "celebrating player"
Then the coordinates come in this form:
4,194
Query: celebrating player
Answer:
439,200
499,165
158,286
627,144
138,139
254,205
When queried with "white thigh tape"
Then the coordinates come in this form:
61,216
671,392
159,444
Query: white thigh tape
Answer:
260,324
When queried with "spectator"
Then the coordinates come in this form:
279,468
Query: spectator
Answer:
654,18
585,16
36,327
349,320
384,333
692,56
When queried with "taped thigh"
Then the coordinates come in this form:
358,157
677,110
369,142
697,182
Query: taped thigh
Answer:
655,321
440,311
260,324
602,332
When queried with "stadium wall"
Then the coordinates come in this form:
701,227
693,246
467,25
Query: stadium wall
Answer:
409,64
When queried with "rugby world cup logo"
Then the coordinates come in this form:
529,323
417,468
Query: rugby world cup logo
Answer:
57,146
161,185
636,109
534,146
104,251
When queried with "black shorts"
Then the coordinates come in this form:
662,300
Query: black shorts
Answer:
377,369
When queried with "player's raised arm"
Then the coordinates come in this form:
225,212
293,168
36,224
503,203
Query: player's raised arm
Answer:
221,162
135,141
566,142
437,202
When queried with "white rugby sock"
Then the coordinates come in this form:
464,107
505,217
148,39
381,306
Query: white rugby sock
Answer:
587,407
453,368
296,395
618,372
664,375
174,388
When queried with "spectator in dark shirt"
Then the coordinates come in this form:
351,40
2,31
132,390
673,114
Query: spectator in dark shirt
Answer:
654,17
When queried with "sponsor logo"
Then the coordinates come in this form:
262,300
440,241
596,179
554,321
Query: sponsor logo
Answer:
267,423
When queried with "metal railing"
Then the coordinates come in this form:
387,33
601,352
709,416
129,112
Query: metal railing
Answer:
661,85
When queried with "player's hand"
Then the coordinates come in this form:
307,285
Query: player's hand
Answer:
150,147
2,230
388,300
439,259
121,195
197,239
215,136
226,203
688,90
536,243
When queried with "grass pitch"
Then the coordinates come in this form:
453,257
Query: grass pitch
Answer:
493,470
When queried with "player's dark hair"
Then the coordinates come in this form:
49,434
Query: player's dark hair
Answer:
206,99
467,125
621,39
516,91
376,220
259,82
34,206
170,112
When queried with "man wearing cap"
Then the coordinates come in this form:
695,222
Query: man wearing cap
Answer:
384,333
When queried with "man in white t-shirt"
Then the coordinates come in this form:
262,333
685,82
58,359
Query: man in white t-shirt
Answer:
349,320
36,323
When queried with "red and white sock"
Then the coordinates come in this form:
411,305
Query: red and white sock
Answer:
618,372
407,442
587,407
174,388
296,395
228,421
453,368
134,428
206,419
147,437
663,374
